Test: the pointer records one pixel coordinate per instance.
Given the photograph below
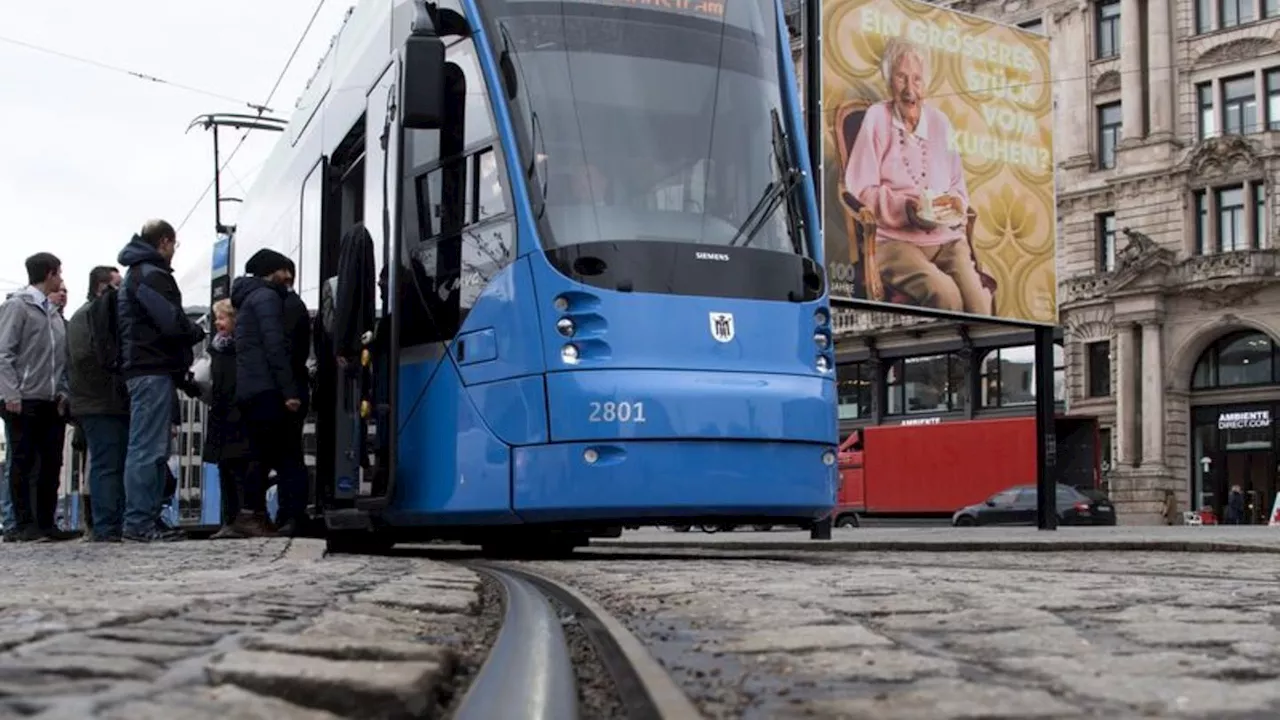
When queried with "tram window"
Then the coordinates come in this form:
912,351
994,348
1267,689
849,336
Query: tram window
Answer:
477,116
490,200
309,263
486,249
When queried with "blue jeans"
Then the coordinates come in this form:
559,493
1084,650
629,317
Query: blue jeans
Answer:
151,399
108,439
6,504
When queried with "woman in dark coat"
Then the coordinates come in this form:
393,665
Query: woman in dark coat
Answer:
225,441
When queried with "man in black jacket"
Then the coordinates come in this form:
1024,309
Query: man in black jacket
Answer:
157,342
292,480
267,389
100,406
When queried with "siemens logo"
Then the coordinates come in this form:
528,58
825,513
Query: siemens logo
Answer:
718,257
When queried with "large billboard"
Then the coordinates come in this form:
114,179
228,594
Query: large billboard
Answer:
938,154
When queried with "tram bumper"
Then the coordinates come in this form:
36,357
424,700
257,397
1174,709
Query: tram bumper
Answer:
660,445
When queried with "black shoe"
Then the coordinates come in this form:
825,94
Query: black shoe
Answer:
31,533
57,535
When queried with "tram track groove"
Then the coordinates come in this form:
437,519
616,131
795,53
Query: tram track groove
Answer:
529,672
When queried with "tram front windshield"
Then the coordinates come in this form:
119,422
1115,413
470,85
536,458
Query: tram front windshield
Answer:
647,119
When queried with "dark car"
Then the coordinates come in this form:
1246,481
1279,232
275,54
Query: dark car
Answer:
1017,506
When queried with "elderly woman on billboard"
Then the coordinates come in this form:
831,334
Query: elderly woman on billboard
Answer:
902,167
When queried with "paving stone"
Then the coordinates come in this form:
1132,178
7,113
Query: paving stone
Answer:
1198,634
974,620
806,637
945,698
363,689
225,702
72,666
1028,640
423,600
343,648
94,647
153,635
874,665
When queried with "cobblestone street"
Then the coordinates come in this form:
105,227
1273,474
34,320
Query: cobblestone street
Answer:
956,635
237,629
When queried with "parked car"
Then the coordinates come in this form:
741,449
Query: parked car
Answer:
1017,506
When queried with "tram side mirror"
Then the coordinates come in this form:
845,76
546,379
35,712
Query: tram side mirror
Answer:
422,101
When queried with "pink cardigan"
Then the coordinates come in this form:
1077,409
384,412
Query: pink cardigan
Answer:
888,164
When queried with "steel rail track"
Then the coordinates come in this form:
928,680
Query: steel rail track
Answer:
529,673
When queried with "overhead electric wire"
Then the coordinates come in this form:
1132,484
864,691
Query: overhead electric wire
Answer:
132,73
274,87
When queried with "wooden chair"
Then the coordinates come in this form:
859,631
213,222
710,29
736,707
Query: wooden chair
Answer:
860,222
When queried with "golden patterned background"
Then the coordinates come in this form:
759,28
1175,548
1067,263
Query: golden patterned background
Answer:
1016,225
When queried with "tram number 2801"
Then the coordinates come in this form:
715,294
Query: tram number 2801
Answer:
621,412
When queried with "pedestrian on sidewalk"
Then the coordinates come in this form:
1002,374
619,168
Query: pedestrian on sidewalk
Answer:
266,388
225,442
33,357
156,351
100,406
292,478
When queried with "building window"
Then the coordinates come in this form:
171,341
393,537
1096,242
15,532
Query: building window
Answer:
925,384
1037,25
1231,225
1259,215
1273,98
1239,106
1109,133
1106,233
1008,376
1235,12
854,386
1202,222
1204,103
1234,231
1098,368
1204,16
1270,8
1239,359
1108,30
1104,449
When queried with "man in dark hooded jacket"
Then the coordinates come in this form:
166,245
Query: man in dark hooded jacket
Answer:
293,481
267,389
157,342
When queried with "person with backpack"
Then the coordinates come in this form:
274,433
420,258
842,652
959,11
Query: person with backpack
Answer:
156,349
99,405
33,388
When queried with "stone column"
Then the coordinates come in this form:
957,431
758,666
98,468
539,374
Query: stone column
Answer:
1071,136
1153,420
1131,84
1126,428
1160,85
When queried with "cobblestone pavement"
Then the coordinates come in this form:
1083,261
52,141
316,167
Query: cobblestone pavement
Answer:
1259,538
954,635
232,629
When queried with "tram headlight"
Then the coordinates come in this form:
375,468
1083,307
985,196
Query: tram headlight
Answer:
821,340
569,354
822,364
565,327
561,303
820,317
590,455
828,458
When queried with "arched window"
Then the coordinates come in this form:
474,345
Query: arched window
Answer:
1007,376
1239,359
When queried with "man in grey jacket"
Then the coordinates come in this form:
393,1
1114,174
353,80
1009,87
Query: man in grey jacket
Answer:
100,405
33,359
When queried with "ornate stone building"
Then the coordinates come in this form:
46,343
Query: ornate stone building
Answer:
1166,136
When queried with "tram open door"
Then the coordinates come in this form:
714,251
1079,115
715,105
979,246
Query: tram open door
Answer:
358,323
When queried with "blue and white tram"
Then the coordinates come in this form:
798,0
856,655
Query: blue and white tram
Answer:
609,307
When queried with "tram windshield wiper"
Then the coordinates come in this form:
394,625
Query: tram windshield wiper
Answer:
775,193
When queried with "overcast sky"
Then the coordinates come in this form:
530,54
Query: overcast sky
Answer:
90,153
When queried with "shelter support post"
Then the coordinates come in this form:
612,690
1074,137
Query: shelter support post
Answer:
1046,438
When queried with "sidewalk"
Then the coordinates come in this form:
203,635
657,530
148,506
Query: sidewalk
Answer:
1159,538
